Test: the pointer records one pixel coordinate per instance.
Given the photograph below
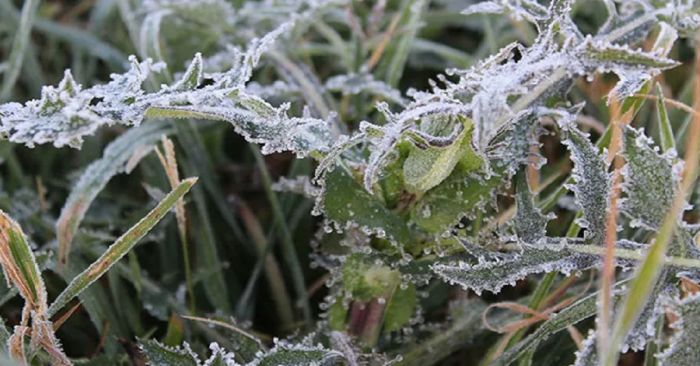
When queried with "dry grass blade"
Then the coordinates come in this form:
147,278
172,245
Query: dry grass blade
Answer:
607,277
120,247
169,162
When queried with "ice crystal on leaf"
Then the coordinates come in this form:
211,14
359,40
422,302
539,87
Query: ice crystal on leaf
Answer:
283,353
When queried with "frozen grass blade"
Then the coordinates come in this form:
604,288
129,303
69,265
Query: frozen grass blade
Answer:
120,247
117,155
290,252
19,47
668,141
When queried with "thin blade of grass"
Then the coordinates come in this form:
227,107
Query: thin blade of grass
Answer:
291,256
668,141
169,162
120,247
397,55
19,47
95,178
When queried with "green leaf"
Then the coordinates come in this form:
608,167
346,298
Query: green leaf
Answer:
494,275
426,167
530,223
298,355
460,195
592,183
651,181
366,280
400,308
120,247
159,354
345,201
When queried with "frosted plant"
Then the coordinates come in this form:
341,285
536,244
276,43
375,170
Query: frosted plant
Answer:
64,115
413,186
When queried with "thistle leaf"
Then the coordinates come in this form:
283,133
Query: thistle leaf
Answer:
683,349
494,275
159,354
344,201
426,167
651,181
592,183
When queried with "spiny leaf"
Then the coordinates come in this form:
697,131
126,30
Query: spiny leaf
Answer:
530,223
494,275
633,67
284,353
592,183
159,354
651,181
683,349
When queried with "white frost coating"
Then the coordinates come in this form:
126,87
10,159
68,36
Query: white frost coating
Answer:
650,180
492,276
683,349
529,10
592,182
351,84
587,355
300,185
220,356
64,115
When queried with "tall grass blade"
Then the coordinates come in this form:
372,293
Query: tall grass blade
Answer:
120,247
19,47
114,160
